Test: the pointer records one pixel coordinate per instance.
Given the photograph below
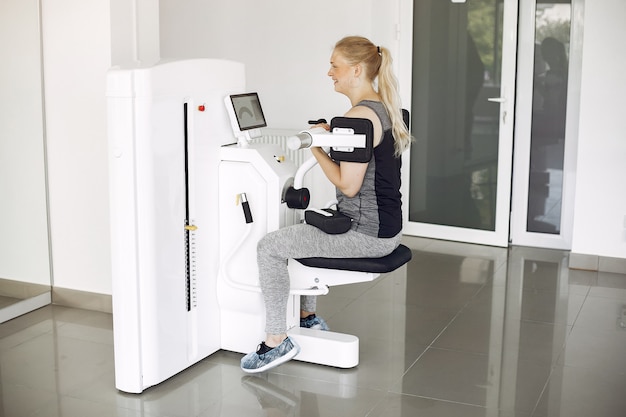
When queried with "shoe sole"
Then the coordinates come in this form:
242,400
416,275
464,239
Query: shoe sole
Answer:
285,358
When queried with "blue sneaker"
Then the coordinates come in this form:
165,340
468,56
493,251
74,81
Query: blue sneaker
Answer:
314,322
267,358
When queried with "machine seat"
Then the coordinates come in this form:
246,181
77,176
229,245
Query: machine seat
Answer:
391,262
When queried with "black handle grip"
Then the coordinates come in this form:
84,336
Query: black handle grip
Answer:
297,199
246,211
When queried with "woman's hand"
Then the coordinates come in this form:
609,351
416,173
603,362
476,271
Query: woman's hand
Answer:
325,126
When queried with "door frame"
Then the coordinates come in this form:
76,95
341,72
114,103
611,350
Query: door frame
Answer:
511,205
523,121
499,237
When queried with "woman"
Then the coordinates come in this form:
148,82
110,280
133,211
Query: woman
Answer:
369,193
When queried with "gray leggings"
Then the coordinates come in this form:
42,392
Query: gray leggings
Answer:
306,241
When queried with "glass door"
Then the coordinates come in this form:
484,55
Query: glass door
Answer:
550,51
463,85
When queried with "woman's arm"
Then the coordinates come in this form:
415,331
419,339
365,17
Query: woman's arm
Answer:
348,176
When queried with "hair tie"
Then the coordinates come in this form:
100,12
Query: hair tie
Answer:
378,48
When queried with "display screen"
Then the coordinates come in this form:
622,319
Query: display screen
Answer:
248,111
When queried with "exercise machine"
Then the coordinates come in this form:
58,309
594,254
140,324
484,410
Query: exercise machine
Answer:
191,195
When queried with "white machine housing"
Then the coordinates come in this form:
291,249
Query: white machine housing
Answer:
261,172
166,124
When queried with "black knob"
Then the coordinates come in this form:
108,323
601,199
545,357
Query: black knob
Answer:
297,199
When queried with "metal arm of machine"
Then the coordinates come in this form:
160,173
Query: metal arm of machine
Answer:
340,139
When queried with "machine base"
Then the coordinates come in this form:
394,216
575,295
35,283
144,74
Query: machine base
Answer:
326,348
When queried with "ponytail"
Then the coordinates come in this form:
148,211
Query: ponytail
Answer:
388,91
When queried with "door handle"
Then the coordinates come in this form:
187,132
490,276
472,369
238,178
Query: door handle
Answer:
500,100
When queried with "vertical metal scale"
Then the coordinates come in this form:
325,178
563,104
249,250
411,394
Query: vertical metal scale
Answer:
191,270
189,228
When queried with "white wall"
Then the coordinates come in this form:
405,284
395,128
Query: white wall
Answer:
134,32
77,54
23,215
600,207
285,44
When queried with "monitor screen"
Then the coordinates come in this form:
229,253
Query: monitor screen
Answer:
248,111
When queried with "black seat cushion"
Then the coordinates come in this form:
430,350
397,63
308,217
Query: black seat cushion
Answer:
394,260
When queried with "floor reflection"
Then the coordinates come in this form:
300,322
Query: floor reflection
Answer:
462,330
272,399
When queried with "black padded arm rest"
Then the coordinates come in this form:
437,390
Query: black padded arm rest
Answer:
394,260
359,126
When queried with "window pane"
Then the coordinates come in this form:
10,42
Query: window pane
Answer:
456,68
552,30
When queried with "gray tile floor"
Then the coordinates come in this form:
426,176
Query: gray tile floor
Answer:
462,330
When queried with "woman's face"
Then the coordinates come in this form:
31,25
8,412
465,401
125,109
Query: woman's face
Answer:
341,72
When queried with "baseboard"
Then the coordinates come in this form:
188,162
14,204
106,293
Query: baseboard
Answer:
597,263
82,299
21,290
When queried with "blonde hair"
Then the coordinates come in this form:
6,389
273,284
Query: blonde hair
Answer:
377,63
